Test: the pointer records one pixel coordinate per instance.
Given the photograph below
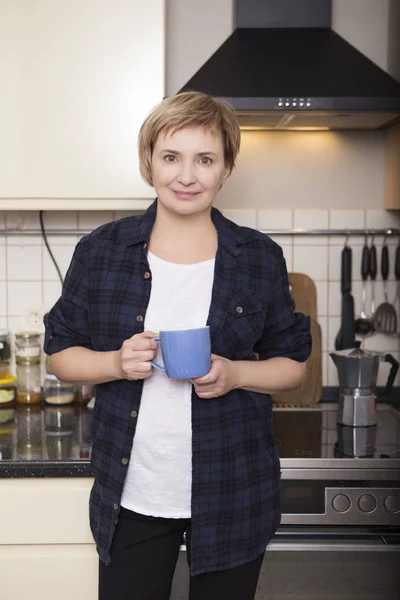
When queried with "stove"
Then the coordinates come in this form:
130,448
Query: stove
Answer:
338,475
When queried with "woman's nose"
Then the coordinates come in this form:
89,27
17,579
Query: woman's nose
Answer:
186,174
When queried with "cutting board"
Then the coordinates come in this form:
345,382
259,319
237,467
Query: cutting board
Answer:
304,294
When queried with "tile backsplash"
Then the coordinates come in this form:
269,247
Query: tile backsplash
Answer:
28,278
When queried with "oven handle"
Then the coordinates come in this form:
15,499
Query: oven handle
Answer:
328,543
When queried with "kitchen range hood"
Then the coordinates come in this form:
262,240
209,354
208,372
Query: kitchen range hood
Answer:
285,68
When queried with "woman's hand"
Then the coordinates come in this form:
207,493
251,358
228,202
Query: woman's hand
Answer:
135,354
221,378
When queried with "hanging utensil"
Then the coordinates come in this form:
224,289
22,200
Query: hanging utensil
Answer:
385,317
346,335
364,323
373,269
397,273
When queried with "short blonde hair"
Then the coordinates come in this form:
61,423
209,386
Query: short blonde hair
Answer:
188,109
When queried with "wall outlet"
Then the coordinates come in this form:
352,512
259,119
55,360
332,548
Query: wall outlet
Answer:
32,320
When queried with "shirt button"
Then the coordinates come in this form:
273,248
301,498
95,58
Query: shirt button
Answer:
140,318
239,310
116,507
124,461
145,246
147,275
134,414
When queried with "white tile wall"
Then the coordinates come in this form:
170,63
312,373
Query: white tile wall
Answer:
28,277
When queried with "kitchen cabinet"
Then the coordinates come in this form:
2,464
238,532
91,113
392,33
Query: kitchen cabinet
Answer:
78,80
392,183
46,548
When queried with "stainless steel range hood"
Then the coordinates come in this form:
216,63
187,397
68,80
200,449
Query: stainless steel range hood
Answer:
284,68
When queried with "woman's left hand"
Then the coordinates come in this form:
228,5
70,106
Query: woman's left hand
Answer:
221,378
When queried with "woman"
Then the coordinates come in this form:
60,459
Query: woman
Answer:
171,457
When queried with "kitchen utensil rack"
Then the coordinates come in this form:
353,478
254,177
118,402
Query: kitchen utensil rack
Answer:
301,232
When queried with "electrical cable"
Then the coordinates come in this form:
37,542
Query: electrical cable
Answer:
44,235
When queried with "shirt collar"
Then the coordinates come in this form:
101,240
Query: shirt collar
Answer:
230,235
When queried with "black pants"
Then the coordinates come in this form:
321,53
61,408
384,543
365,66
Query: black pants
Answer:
144,553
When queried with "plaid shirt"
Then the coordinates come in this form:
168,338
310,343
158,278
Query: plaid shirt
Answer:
235,465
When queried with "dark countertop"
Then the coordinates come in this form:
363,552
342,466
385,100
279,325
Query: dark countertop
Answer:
45,441
55,441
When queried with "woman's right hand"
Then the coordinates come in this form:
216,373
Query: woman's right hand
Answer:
135,354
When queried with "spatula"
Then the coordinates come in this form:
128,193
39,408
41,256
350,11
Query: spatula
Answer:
385,317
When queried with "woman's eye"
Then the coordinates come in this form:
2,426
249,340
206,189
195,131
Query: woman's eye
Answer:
205,160
169,158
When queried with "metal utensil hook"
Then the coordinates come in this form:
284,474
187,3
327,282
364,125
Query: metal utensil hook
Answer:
346,242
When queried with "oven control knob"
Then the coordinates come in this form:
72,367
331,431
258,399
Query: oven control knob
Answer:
341,503
367,503
392,503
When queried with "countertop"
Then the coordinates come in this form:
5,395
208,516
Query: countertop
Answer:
45,441
55,441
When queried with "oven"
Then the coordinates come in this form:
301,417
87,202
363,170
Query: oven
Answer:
339,536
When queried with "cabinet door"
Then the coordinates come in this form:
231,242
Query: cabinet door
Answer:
78,78
62,572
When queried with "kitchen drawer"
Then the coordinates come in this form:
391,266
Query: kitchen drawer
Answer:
48,572
45,511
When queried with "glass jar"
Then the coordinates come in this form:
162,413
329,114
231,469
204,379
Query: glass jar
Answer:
27,346
7,386
28,383
5,346
85,393
58,392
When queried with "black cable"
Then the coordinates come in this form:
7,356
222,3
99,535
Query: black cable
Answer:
48,247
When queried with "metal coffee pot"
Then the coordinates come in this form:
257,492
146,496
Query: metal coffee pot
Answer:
358,373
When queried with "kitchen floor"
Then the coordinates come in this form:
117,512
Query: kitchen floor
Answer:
286,575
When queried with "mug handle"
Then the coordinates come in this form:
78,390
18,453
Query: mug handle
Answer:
153,362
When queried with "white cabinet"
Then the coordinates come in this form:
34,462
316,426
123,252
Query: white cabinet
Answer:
78,78
47,551
46,548
62,572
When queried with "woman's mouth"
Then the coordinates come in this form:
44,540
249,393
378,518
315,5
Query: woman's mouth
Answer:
185,195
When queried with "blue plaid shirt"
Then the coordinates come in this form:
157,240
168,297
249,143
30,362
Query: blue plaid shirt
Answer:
235,465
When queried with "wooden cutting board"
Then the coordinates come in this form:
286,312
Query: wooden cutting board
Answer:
304,294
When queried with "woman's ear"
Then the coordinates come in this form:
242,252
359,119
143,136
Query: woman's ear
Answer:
227,173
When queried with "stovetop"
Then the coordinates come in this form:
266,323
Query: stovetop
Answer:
311,432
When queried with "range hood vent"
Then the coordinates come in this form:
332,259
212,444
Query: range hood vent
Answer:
285,68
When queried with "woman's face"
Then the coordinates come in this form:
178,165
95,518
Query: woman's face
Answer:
188,169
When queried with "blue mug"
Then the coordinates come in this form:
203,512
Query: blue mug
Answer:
186,353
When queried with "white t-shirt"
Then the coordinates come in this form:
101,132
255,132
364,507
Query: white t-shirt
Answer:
159,477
